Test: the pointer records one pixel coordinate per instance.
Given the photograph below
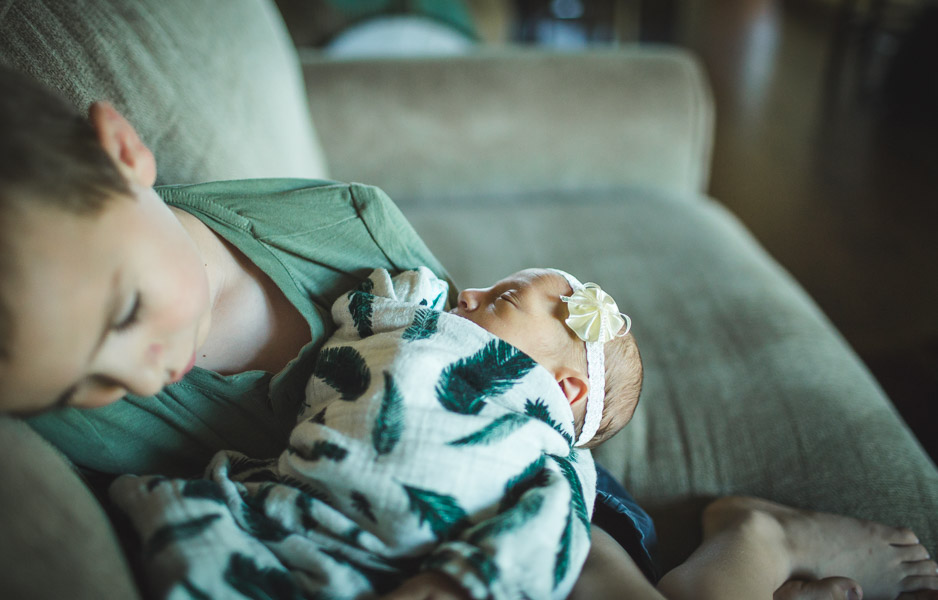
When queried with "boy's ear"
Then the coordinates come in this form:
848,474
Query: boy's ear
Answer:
574,386
120,140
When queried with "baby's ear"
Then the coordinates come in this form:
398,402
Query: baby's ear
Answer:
574,386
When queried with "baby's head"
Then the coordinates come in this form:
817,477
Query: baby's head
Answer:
528,310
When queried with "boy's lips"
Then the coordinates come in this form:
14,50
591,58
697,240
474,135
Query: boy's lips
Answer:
180,374
190,365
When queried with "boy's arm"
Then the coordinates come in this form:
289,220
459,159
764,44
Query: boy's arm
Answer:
536,545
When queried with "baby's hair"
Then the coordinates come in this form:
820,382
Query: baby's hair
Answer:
50,156
624,376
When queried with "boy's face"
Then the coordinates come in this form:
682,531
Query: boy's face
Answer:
525,310
103,305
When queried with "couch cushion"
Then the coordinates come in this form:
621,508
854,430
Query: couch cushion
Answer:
512,120
212,86
748,387
57,542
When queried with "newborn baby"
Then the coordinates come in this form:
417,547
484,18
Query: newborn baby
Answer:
466,432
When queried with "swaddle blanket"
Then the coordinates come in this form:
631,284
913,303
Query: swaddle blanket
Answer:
425,442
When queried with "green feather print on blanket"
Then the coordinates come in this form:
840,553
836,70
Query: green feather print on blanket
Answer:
319,450
344,370
423,326
389,424
254,517
361,307
497,430
538,409
562,562
361,503
519,514
175,533
576,490
252,581
464,385
441,512
534,475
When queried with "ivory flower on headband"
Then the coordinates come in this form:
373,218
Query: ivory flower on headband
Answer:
595,318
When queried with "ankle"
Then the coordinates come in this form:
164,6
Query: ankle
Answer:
746,517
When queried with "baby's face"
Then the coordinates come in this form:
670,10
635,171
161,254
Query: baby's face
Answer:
525,310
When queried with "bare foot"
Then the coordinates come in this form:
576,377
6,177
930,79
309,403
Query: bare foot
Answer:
832,588
885,561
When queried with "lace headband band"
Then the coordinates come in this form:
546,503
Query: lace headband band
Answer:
595,318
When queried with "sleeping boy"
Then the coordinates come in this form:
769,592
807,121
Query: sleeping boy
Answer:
450,445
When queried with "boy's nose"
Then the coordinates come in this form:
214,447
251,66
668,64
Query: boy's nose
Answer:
140,371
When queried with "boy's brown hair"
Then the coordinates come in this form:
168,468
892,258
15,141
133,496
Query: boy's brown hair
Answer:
50,156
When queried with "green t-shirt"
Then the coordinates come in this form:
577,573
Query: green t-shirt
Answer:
315,240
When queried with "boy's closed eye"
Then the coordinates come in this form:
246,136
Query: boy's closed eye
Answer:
131,315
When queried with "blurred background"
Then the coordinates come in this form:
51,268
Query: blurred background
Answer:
827,121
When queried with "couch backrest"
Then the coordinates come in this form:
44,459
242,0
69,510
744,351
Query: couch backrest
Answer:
213,86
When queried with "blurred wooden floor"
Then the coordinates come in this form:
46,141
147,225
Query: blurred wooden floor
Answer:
843,195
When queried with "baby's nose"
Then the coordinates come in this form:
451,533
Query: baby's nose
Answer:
469,299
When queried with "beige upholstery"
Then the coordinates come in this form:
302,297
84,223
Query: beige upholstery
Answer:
150,59
460,127
55,541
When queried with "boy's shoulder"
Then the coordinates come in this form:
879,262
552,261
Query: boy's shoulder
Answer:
335,233
283,204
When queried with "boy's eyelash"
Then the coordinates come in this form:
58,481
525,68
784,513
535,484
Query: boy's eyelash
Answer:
131,318
66,397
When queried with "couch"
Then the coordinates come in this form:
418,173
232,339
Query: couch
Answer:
595,162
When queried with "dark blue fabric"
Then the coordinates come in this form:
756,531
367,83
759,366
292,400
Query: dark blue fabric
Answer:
617,513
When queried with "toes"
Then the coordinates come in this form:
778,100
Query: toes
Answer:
912,553
921,583
832,588
903,536
926,568
919,595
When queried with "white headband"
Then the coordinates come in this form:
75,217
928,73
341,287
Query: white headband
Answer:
595,318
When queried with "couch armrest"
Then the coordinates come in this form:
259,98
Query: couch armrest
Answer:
55,540
514,121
